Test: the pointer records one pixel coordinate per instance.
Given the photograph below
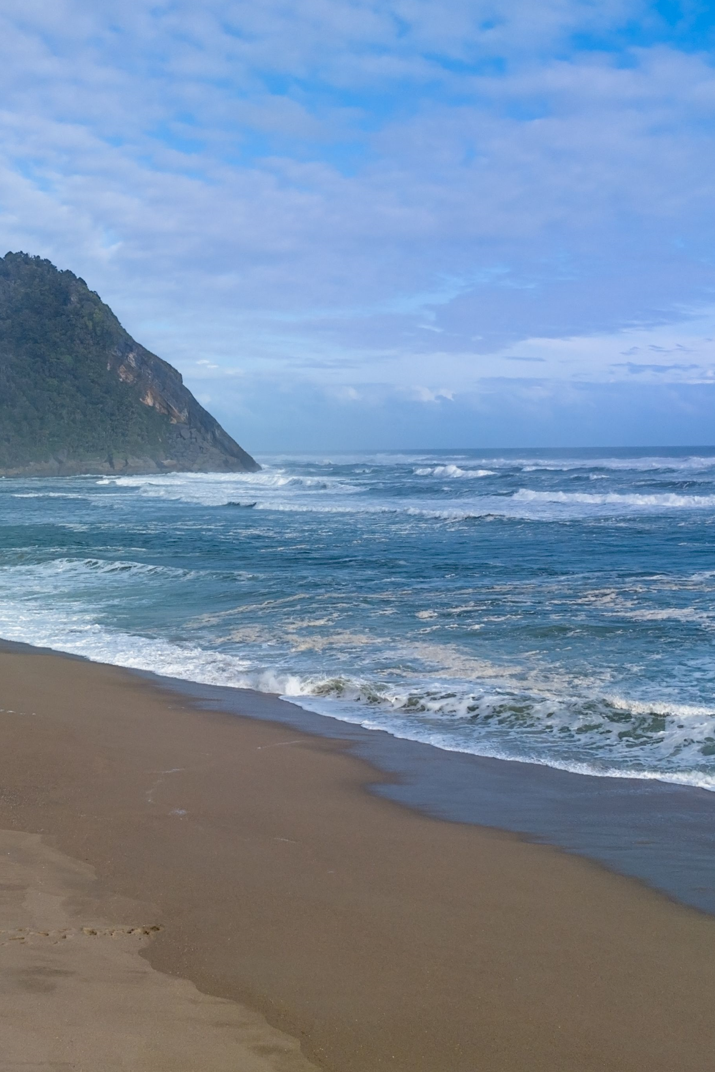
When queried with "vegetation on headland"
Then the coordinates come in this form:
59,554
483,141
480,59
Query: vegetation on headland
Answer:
76,391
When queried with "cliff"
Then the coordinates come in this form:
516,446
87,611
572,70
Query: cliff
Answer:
79,395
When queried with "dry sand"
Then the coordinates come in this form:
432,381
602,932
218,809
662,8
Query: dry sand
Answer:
367,936
77,995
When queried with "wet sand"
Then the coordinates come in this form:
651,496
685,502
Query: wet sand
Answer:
304,922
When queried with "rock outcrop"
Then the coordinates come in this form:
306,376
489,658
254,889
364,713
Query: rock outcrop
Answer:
79,395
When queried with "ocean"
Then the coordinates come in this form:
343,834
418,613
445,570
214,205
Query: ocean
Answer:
554,607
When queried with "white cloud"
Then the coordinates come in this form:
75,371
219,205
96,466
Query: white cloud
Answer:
352,193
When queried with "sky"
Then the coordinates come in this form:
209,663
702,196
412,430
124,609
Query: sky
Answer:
361,224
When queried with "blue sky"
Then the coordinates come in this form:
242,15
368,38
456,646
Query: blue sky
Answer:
353,223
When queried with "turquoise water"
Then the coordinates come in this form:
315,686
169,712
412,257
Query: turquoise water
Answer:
549,606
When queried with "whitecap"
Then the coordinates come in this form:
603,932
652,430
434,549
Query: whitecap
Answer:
453,472
667,501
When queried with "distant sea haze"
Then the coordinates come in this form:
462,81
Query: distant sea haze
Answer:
550,606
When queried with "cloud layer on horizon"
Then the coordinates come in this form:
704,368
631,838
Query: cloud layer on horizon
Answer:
376,206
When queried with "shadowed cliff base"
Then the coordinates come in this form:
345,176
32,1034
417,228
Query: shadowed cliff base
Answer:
79,395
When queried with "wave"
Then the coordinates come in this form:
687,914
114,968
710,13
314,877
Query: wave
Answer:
569,728
69,570
265,479
284,491
598,736
219,489
665,500
447,741
523,505
453,471
48,495
642,464
666,614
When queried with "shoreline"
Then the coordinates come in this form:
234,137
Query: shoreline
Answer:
377,936
659,833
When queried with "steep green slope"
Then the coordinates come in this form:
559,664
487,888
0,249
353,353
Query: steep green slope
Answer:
78,394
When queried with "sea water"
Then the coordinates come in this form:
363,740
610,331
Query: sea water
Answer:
556,607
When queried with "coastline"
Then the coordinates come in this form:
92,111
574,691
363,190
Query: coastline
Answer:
377,936
660,833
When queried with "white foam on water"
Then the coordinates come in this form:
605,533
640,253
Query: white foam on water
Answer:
659,501
453,472
673,614
654,463
448,743
494,718
223,489
48,495
280,489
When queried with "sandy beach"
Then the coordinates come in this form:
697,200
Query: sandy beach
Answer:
189,890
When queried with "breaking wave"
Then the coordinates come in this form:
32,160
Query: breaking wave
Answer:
453,472
667,501
567,727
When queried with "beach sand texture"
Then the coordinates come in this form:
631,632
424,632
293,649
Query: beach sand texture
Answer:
303,922
77,995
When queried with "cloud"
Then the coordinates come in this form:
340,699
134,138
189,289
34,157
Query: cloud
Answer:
346,193
637,369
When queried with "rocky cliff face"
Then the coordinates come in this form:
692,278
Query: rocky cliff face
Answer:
79,395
